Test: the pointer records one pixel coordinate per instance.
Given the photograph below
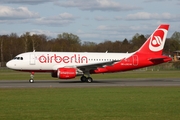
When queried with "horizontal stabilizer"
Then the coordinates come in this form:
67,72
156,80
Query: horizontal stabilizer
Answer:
160,59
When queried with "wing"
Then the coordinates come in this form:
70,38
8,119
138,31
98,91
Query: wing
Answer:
89,66
94,66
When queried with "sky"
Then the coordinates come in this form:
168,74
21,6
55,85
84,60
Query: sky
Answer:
91,20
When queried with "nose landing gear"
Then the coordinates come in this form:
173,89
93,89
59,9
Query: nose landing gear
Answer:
31,80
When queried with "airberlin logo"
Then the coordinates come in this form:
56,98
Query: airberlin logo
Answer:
76,58
157,40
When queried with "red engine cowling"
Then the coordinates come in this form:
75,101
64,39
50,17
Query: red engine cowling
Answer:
66,73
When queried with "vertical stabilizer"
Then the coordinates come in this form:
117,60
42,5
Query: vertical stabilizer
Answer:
155,43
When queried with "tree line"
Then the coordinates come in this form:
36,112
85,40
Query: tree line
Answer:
12,44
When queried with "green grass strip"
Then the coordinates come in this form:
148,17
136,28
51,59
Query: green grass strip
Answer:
117,103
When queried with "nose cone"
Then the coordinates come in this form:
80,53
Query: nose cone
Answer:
10,64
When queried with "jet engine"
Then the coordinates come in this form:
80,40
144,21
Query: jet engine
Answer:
66,73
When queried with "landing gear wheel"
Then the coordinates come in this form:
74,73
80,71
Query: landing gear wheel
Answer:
83,79
89,80
31,80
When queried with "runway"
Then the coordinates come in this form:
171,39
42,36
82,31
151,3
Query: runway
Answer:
96,83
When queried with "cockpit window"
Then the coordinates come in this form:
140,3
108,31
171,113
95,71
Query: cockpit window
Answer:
18,58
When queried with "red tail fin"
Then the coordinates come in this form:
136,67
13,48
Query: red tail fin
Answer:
155,43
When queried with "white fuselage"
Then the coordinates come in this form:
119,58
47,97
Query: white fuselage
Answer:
49,61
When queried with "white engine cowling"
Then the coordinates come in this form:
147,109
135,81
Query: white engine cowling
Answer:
66,73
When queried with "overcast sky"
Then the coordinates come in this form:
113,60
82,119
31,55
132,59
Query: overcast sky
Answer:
91,20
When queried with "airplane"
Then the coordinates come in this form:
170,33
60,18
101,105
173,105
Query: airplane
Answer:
68,65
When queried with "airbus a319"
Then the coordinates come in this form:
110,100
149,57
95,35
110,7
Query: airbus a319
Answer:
68,65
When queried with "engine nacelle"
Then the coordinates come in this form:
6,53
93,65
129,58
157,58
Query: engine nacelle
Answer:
66,73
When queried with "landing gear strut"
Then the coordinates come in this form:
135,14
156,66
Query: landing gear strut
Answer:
31,80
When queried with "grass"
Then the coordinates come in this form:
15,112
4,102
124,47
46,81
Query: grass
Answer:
106,103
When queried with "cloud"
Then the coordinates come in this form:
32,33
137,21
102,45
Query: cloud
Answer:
20,13
178,3
120,32
45,32
118,18
92,5
62,19
152,16
156,0
101,18
23,15
107,28
31,2
124,29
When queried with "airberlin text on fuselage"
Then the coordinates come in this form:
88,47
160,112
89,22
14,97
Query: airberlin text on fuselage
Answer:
76,58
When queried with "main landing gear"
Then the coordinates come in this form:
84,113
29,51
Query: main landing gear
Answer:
83,78
86,79
31,80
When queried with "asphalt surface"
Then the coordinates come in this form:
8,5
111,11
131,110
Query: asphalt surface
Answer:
97,83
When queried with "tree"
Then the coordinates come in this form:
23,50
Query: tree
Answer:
105,46
38,42
69,41
2,53
176,36
11,46
171,45
125,47
88,46
3,38
26,39
137,41
177,64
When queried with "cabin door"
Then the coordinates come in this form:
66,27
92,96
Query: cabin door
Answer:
32,59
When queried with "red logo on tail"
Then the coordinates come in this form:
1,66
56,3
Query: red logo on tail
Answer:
157,40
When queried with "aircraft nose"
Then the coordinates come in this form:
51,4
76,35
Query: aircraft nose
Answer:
10,65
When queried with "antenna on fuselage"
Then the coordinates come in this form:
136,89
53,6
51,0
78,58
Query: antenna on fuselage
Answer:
34,50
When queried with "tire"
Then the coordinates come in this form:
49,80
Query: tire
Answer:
89,80
31,80
83,79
